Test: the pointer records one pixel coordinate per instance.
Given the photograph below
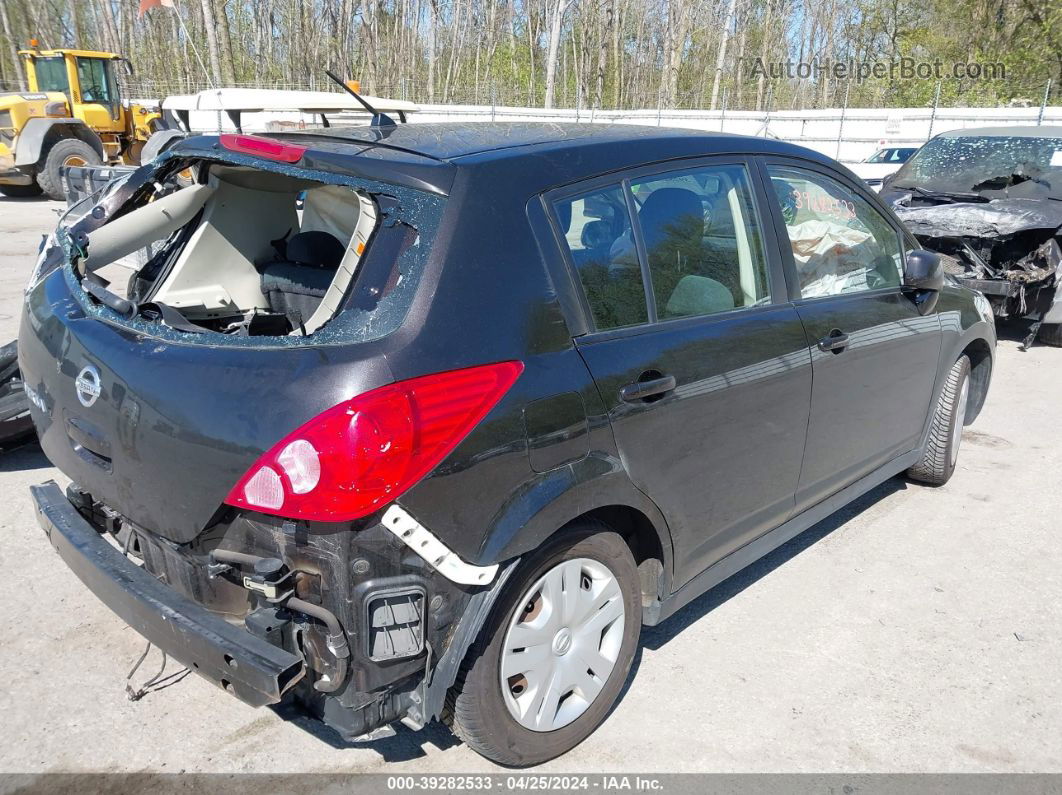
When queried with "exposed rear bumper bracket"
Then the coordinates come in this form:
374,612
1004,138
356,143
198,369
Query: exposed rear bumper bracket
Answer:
248,667
445,561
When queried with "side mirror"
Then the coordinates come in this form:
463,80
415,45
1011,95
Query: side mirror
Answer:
923,275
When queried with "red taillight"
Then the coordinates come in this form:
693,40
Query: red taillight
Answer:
362,454
262,147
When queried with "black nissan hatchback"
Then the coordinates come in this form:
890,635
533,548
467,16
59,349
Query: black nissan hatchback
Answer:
416,423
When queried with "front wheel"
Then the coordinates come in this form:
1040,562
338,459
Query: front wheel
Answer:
67,152
554,653
1051,334
945,433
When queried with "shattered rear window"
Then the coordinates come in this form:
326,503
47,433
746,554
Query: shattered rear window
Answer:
408,216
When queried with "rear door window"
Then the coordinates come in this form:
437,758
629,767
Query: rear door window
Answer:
597,230
702,241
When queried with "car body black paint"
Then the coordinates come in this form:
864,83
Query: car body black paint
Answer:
712,468
732,404
868,404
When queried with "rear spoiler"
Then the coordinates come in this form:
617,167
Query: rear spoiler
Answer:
342,156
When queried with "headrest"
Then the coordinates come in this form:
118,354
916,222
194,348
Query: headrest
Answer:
698,295
316,249
669,209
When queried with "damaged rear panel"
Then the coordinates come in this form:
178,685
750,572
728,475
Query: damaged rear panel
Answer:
262,275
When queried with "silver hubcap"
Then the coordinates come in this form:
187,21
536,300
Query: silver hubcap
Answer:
960,419
562,644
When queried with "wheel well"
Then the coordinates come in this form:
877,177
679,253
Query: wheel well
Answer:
60,132
642,538
980,373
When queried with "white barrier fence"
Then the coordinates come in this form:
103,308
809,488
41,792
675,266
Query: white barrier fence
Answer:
849,135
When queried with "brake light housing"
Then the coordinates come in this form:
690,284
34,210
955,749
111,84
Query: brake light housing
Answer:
363,453
258,146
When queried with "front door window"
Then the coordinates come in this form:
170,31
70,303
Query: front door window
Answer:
841,244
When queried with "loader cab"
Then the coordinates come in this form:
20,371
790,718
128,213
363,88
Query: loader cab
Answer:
86,78
72,116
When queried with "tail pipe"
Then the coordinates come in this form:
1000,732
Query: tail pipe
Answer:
336,638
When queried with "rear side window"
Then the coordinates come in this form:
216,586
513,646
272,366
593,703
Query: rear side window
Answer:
51,75
841,244
597,229
702,241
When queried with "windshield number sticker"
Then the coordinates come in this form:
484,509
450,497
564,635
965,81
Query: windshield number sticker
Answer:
825,204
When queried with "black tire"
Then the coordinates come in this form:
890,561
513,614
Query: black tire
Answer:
21,191
61,154
8,357
942,447
15,424
476,710
1051,334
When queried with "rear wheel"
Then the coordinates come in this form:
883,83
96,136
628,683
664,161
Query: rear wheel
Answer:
1051,334
554,653
21,191
945,433
67,152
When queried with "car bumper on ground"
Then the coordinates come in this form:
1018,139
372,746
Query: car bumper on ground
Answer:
248,667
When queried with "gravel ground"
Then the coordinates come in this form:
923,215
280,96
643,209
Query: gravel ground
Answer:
919,629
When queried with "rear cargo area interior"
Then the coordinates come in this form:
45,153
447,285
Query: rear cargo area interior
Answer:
245,251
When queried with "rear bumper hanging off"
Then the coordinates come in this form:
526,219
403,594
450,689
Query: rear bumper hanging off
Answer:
248,667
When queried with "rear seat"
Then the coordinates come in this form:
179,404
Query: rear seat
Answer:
296,284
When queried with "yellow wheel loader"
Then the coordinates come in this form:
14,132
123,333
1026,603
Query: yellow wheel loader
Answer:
72,115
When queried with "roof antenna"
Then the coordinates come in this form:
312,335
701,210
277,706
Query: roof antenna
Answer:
378,119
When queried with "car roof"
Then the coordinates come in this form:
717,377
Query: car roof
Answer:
451,141
1026,131
429,155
